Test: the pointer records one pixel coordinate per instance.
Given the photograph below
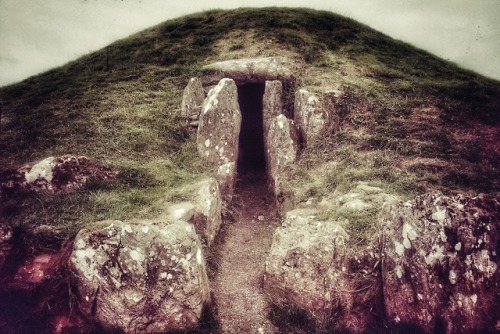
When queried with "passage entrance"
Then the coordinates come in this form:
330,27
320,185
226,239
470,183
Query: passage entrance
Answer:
251,158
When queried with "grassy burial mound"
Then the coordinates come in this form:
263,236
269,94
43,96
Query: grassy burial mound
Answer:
408,122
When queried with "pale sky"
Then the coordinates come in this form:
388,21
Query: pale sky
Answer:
36,35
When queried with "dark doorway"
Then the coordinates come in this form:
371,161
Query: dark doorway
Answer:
251,157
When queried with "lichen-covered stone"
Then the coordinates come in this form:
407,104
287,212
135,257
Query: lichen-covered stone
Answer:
219,127
317,113
272,101
181,211
307,265
140,277
208,209
54,174
226,178
192,99
441,266
281,149
255,70
310,115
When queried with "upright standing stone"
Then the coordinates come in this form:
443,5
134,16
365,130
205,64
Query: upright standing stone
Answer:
220,121
310,115
281,149
192,99
208,210
272,102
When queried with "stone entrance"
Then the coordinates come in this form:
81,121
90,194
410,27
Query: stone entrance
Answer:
241,124
251,156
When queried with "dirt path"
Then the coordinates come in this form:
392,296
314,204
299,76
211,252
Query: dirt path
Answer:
242,305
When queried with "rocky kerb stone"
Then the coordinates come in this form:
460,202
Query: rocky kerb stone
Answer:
433,263
441,262
53,174
140,277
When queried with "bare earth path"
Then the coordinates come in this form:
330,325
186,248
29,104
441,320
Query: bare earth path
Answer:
242,305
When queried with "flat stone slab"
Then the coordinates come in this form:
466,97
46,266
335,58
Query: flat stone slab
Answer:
253,70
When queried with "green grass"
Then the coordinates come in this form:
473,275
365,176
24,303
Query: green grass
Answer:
118,106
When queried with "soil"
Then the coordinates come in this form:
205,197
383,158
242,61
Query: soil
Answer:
241,302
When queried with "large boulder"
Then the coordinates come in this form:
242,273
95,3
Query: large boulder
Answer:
441,266
220,121
192,99
255,70
306,266
141,277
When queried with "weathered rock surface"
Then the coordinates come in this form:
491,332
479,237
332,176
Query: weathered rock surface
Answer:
203,210
192,99
220,121
142,277
317,113
254,70
363,197
53,174
441,267
6,240
207,218
307,265
226,178
181,211
272,101
310,115
281,149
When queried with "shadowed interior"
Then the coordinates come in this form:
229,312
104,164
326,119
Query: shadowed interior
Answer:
251,156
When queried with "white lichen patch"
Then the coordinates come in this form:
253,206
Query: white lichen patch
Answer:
439,215
126,228
399,248
134,296
145,229
474,299
458,246
42,170
483,263
452,276
436,254
443,237
137,255
199,257
409,232
207,143
80,244
399,271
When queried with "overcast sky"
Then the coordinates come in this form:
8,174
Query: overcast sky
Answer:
36,35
